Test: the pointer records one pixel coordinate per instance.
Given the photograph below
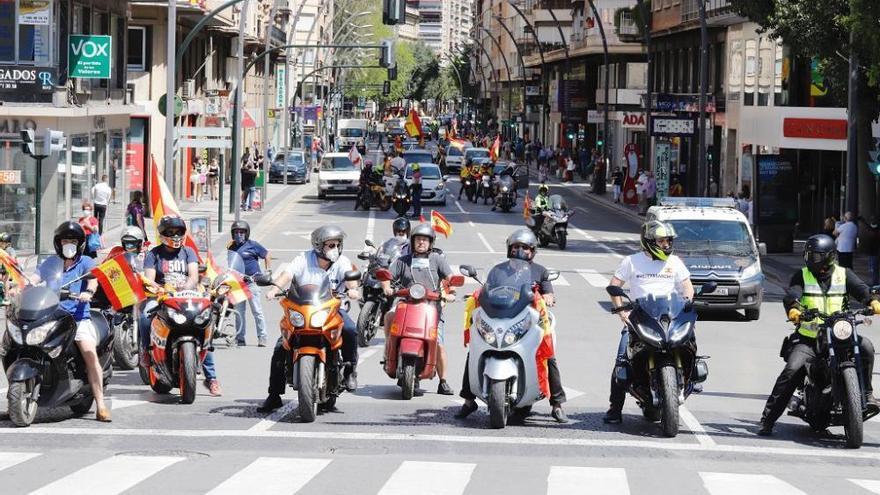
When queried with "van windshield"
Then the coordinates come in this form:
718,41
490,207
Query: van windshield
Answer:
351,132
712,237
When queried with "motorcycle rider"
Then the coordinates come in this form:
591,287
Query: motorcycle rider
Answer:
251,252
131,241
522,245
463,175
6,244
654,271
824,285
173,263
426,267
539,204
325,259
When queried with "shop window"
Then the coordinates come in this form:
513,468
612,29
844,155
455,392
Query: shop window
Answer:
25,31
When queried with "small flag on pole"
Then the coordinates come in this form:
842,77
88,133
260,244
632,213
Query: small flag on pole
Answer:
440,224
122,287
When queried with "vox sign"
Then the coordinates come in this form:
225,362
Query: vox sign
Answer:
89,56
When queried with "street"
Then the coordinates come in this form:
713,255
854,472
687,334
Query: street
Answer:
378,443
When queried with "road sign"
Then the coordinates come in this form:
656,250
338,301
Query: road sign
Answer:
89,56
178,105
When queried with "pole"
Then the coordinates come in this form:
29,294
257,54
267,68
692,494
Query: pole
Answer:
220,185
702,173
38,210
544,87
646,35
235,206
509,78
286,110
852,140
599,182
270,22
522,62
170,75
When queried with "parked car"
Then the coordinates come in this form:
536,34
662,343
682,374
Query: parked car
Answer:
433,183
337,175
293,164
475,154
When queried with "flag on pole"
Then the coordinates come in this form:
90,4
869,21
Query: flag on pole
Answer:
454,127
440,224
460,144
122,287
495,150
162,204
355,156
238,288
527,207
413,124
12,269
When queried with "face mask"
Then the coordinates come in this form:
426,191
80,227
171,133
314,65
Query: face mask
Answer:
520,254
87,213
332,254
238,237
402,237
68,250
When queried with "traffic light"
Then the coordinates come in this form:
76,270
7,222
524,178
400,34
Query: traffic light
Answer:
393,12
52,141
28,145
874,167
386,87
386,54
600,139
392,73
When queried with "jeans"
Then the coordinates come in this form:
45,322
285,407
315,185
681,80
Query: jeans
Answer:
618,391
144,335
249,201
100,213
416,192
256,305
874,270
557,393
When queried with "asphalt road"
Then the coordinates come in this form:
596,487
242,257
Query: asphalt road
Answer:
377,443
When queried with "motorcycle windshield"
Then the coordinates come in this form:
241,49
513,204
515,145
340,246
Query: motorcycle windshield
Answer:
655,307
507,181
310,294
558,203
232,264
508,289
36,302
389,251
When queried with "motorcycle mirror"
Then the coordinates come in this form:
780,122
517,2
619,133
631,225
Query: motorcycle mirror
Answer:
369,243
708,288
456,281
530,222
203,268
263,279
615,291
552,275
468,271
363,256
383,275
445,178
875,289
352,275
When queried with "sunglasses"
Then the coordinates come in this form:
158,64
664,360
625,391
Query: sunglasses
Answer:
174,233
331,245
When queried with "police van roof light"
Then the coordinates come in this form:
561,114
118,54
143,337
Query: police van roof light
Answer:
698,202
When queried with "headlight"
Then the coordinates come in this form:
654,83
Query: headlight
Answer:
650,333
842,329
439,187
36,336
752,270
14,332
175,316
297,319
486,332
202,318
516,332
318,319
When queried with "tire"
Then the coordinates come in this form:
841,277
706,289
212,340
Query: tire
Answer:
753,314
125,347
308,389
853,425
144,374
401,210
408,380
505,207
543,241
651,414
22,410
669,401
83,406
497,402
562,239
365,324
188,365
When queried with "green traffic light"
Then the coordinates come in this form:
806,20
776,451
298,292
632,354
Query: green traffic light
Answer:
874,167
600,143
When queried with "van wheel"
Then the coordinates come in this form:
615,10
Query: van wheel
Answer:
753,314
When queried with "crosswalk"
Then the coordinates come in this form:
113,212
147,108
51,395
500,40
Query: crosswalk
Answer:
589,276
290,475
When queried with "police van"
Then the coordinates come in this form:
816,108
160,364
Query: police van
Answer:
716,243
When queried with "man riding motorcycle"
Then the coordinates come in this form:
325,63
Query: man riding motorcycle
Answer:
463,175
325,259
427,267
826,286
539,204
655,271
523,245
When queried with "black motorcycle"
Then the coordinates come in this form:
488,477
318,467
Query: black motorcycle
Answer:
470,188
42,362
375,304
401,197
834,388
506,193
552,226
662,367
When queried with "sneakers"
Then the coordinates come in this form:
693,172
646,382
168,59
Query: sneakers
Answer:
213,387
444,388
271,403
871,400
240,343
766,429
467,408
559,415
261,342
613,416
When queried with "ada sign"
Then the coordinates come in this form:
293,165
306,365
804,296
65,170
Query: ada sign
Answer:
89,56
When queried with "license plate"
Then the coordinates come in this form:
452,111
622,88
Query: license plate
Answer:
720,291
340,188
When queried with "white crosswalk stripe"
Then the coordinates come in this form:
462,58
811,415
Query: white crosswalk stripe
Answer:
109,476
571,480
593,278
273,475
746,484
9,459
872,486
413,474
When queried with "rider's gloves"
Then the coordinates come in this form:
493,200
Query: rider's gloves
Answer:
875,305
794,315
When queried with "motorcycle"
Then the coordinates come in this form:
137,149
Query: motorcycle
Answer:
375,194
401,196
123,322
470,189
662,367
225,314
42,363
506,193
312,331
834,393
411,347
554,224
505,337
487,190
375,304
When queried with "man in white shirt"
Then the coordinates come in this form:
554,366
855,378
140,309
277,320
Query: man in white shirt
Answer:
653,272
845,237
101,193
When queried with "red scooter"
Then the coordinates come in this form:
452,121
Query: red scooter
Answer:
411,347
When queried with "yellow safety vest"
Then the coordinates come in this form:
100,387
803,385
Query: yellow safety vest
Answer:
826,302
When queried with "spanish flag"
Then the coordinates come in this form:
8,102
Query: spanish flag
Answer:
461,144
12,269
162,203
238,289
495,150
440,224
413,124
122,287
527,207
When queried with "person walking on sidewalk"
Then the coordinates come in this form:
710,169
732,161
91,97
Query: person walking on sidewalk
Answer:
101,193
616,184
871,245
845,237
196,179
248,181
251,252
213,178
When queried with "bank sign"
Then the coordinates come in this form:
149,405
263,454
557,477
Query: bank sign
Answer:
89,56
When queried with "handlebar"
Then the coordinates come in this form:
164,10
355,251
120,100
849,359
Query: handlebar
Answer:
812,314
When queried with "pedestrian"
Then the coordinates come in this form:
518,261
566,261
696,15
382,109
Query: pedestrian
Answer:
101,193
675,189
90,226
246,156
829,225
569,169
195,178
248,180
134,214
250,253
616,184
213,178
416,190
713,188
870,243
641,182
845,237
584,162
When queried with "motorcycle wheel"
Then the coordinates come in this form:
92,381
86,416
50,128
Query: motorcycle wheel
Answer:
22,409
505,207
400,207
408,380
366,324
125,347
498,407
308,389
83,406
562,239
187,372
669,401
853,426
543,241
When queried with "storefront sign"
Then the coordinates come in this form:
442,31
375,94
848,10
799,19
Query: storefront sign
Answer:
10,177
89,56
533,91
280,86
662,156
35,12
672,126
682,103
814,128
633,120
595,117
26,84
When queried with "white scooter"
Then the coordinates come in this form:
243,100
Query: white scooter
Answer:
505,335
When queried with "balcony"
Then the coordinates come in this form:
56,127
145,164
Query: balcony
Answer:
626,27
718,12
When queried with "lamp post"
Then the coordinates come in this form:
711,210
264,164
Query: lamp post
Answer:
543,61
507,66
702,173
599,182
522,63
645,14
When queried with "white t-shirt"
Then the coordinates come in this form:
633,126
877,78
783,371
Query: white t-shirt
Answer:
306,271
846,237
645,275
101,193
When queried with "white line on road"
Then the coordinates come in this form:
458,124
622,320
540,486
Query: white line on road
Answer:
545,253
9,459
740,484
457,204
872,486
571,480
449,478
485,242
471,223
601,245
594,278
696,428
371,225
273,476
109,476
572,394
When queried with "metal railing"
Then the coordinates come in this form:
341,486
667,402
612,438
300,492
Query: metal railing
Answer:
627,25
690,10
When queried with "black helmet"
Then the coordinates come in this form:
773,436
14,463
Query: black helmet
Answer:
820,254
242,226
401,224
652,231
422,230
172,229
69,230
543,189
522,236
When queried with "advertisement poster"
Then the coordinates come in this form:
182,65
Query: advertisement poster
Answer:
35,12
631,154
662,153
201,231
776,191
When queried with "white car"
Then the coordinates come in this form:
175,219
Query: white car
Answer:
337,175
475,154
433,183
454,158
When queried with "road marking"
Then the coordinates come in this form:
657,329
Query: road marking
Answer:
544,253
471,223
117,404
109,476
272,476
371,225
449,478
460,209
9,459
696,428
570,480
594,278
740,484
601,245
572,394
369,351
485,242
872,486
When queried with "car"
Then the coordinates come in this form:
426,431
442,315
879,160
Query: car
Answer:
337,175
475,153
293,164
433,183
716,243
418,156
454,158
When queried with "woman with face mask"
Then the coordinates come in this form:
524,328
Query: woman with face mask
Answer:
250,252
90,226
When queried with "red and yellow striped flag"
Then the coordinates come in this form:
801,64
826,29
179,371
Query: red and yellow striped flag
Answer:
238,289
12,269
162,203
495,150
440,224
122,287
413,124
527,207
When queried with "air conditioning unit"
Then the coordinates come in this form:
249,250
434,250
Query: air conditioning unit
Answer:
188,90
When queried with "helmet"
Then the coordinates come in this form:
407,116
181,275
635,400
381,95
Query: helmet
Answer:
5,237
241,225
422,230
401,224
651,232
416,167
324,234
171,231
69,230
820,254
543,189
132,238
522,236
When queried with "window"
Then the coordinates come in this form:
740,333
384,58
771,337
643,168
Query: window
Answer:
26,31
137,48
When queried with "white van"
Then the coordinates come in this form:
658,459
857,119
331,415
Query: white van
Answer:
352,132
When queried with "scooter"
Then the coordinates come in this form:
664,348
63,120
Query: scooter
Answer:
375,303
554,224
470,189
